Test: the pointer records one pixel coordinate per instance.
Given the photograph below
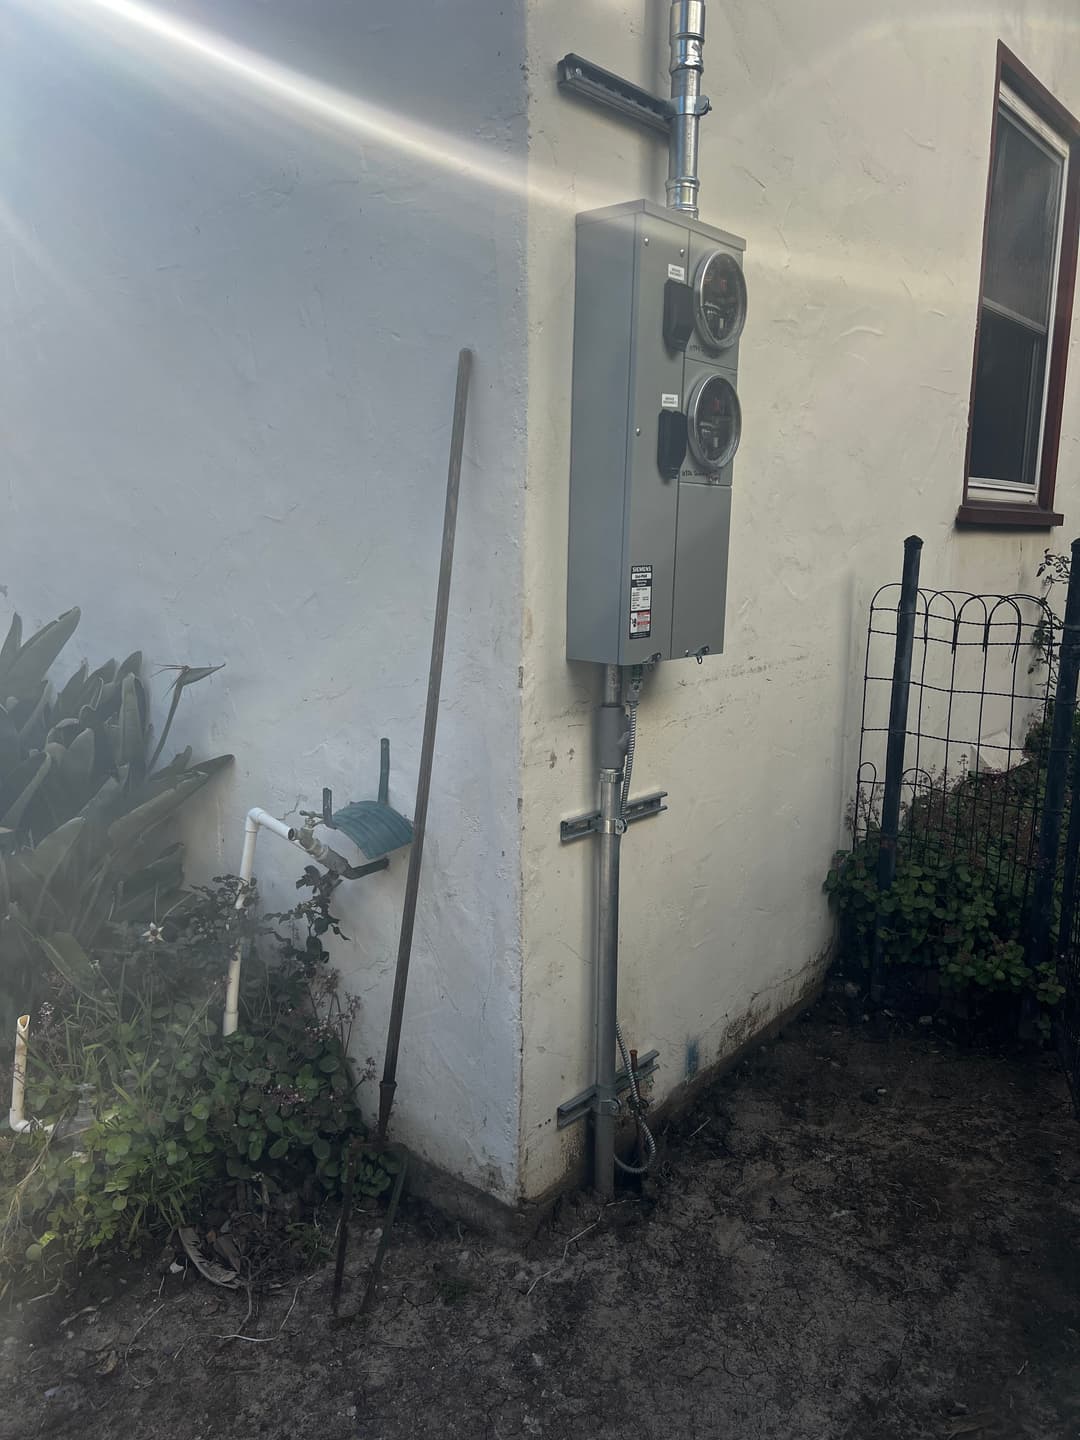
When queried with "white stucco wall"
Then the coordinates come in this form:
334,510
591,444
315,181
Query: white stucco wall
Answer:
241,244
849,145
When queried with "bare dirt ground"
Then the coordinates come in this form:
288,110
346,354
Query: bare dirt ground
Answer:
860,1234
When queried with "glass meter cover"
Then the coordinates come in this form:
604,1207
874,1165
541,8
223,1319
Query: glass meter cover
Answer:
719,300
713,422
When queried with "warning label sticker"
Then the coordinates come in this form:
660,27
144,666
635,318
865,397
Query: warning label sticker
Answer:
640,601
676,272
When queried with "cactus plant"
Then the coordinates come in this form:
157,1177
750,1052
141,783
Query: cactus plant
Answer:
82,808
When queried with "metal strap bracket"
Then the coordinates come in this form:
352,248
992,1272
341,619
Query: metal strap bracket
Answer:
591,824
592,82
583,1104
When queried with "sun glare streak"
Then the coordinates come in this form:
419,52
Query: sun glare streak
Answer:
138,28
129,22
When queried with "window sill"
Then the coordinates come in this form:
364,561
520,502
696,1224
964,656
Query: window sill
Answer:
976,514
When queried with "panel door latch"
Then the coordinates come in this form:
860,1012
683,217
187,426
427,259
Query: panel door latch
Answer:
679,313
671,441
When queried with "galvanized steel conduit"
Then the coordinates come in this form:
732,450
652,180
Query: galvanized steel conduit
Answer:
686,38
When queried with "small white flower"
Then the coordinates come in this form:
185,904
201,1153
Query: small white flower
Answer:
153,935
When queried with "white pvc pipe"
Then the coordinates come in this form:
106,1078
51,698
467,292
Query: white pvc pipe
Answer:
17,1113
260,819
255,821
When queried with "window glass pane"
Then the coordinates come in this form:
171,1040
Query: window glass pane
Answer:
1022,223
1008,401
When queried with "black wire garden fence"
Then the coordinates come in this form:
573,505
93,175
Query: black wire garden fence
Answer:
980,694
954,884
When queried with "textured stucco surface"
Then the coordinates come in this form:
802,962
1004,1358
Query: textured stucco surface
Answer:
849,145
241,245
236,266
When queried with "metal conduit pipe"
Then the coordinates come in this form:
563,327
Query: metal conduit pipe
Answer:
646,1143
687,39
612,734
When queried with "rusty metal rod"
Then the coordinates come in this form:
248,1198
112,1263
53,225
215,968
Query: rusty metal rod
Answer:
388,1084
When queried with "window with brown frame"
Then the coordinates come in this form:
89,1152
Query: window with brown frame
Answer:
1025,305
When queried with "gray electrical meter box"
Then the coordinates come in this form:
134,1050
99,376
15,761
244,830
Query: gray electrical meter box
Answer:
660,302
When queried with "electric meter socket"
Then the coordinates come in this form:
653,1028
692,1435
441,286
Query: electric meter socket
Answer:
713,423
719,300
660,304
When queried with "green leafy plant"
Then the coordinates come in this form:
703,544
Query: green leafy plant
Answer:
82,808
1054,569
959,904
310,1242
943,912
181,1116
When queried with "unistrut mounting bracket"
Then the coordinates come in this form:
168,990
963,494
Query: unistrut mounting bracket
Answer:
581,77
640,809
585,1103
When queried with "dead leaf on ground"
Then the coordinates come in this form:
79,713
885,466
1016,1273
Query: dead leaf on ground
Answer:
208,1269
969,1425
108,1363
228,1250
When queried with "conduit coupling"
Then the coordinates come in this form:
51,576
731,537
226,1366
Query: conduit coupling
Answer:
687,39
